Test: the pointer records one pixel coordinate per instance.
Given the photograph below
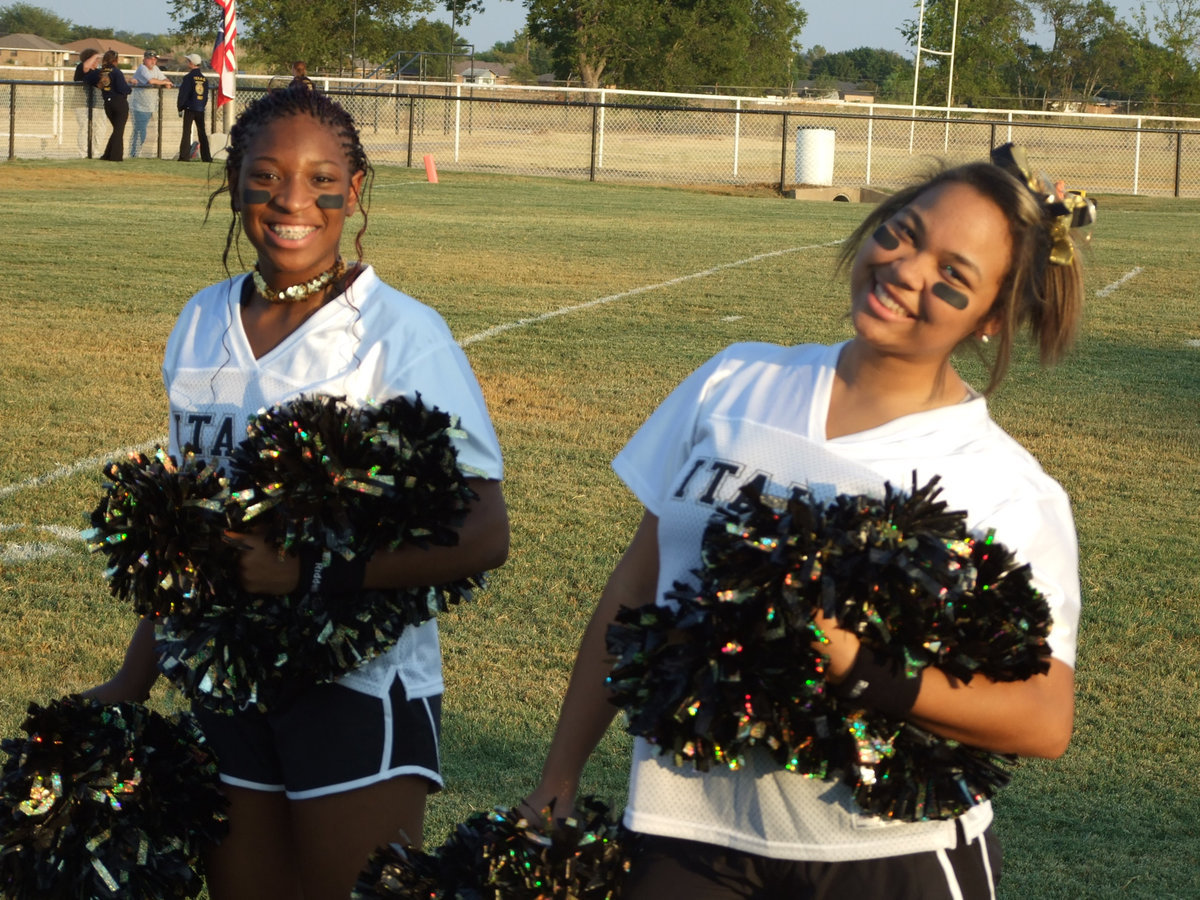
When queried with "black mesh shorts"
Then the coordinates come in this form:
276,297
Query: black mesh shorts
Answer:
669,867
327,740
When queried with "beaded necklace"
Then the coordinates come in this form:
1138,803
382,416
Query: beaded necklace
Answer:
297,292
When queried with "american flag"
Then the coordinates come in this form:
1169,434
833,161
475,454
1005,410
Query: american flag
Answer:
224,60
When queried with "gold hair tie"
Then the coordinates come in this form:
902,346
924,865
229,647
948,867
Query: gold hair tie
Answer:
1064,210
297,292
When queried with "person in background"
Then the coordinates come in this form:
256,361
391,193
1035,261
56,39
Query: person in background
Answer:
300,75
85,98
192,100
144,101
115,90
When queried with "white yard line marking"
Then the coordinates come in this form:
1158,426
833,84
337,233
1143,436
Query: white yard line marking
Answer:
97,461
612,298
1108,289
25,551
76,467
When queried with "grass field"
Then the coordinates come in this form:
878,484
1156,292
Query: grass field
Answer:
98,259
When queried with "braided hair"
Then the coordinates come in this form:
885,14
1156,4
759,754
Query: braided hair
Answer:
294,100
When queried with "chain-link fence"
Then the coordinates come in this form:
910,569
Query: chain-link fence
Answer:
633,136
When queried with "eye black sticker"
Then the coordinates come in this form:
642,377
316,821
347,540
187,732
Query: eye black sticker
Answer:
943,291
331,201
251,197
884,238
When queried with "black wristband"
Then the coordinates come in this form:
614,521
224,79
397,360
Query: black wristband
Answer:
322,572
873,683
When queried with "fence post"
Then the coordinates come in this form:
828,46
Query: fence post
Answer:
595,140
12,121
992,139
457,119
783,156
737,133
870,140
412,107
600,129
1137,156
160,119
1178,158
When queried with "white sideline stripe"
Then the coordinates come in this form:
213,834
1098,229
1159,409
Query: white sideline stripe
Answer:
611,298
95,461
1108,289
77,467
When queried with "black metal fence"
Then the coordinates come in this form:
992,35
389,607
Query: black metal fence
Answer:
663,139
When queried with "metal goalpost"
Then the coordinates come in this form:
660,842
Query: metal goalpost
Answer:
921,48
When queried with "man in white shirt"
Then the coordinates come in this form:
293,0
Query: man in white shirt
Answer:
144,100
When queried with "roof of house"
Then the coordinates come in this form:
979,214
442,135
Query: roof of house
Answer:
497,69
19,41
103,44
844,87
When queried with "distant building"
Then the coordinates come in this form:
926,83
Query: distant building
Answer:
478,72
31,50
838,92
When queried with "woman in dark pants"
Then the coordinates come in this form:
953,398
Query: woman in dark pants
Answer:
115,90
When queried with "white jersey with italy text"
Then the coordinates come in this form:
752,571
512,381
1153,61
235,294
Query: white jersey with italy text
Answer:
757,413
371,343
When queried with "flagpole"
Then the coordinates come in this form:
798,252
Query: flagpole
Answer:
225,62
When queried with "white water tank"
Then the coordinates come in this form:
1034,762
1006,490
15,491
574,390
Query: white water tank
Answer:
814,156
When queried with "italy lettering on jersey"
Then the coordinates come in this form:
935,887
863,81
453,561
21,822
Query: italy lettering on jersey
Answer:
717,482
213,437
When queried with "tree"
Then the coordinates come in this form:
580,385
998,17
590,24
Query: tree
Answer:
586,37
526,57
1167,73
670,45
1087,34
25,18
989,49
865,66
324,33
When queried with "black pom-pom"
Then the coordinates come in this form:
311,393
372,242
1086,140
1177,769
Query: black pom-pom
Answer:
1004,622
319,472
106,801
315,473
720,674
161,525
257,650
732,665
503,854
900,771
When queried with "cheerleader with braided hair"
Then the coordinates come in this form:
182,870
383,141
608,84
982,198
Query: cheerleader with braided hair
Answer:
316,782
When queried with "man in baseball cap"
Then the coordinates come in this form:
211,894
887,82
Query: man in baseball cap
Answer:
146,81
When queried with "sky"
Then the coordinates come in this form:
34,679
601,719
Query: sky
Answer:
874,23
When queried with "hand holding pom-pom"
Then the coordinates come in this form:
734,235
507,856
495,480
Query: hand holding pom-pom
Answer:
730,667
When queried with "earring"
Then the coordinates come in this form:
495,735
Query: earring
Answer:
983,339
